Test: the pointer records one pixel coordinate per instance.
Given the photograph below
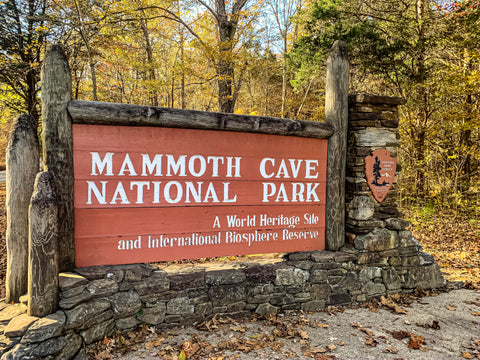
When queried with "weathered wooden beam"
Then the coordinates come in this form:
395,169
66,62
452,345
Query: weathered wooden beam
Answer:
99,113
336,114
58,144
22,157
43,267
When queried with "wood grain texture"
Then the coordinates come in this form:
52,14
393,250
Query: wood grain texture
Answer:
336,114
22,157
43,248
100,113
58,146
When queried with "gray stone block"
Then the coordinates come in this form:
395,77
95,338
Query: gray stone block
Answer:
369,273
391,279
373,289
426,277
263,309
45,328
81,314
224,277
68,281
19,325
180,306
378,240
314,305
98,331
154,284
125,304
291,276
126,323
396,224
361,208
153,315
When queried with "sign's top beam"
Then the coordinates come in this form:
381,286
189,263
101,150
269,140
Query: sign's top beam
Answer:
101,113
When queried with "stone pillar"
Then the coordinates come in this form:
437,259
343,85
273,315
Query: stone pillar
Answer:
375,229
373,125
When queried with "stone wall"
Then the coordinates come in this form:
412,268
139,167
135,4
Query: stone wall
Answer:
379,257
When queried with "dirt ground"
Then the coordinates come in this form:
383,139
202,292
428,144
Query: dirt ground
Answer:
441,327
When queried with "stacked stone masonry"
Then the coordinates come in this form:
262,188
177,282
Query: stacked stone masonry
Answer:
379,257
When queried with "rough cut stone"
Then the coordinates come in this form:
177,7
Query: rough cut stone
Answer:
97,332
71,302
73,343
362,208
260,273
263,309
375,137
373,289
396,224
125,304
378,240
314,305
180,306
50,347
154,284
299,256
127,323
7,343
187,281
84,312
345,257
67,281
45,328
318,276
224,277
153,315
391,279
102,287
10,312
136,272
426,258
226,294
426,277
339,299
291,276
369,273
19,325
204,309
322,256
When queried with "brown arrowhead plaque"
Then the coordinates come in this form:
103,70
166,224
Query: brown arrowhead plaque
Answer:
380,172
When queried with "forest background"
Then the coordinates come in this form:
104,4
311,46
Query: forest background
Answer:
267,57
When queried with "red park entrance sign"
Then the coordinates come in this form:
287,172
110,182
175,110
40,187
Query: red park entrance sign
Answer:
146,194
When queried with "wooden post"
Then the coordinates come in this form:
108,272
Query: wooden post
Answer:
58,145
336,114
22,167
43,248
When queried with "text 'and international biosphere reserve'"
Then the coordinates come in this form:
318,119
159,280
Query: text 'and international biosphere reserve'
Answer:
154,194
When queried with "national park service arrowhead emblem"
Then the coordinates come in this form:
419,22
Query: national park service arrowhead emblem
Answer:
380,172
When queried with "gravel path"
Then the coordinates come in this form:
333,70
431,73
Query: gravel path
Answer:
448,322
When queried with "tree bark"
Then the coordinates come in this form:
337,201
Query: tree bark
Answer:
58,146
43,248
336,114
22,166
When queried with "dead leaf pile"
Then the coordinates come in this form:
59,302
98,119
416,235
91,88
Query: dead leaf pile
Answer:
416,341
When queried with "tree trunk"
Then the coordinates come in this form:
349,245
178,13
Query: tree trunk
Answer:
22,167
336,114
43,248
58,146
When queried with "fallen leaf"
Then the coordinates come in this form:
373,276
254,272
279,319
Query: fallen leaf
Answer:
331,347
340,343
182,355
389,303
435,325
322,325
391,350
303,334
451,308
370,341
416,341
476,313
467,355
